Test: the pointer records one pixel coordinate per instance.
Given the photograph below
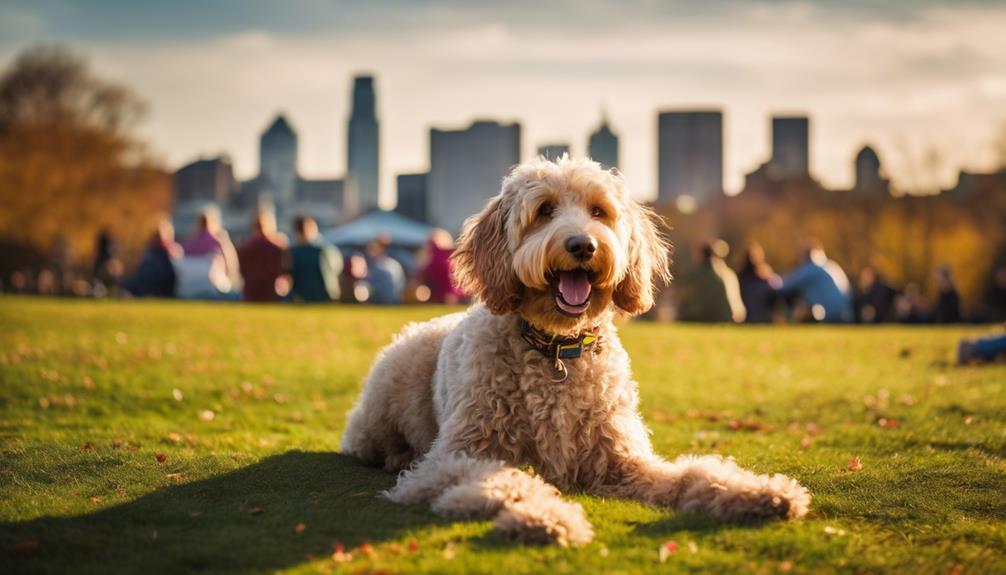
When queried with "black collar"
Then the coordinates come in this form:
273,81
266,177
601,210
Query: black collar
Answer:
556,347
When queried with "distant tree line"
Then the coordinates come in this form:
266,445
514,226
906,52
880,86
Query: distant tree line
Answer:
71,164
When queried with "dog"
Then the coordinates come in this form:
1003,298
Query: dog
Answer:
534,376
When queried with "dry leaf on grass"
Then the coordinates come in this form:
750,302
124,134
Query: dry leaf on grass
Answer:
854,465
161,458
299,528
667,549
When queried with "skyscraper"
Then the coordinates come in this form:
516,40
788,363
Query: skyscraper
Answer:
790,147
466,168
690,155
278,161
868,174
553,151
412,196
603,145
362,164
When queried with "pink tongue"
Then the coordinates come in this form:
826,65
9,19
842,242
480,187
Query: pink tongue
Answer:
574,286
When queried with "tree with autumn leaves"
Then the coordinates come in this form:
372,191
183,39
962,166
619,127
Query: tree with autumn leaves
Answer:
71,164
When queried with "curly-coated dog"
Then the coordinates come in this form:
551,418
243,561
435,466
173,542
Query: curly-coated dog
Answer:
535,376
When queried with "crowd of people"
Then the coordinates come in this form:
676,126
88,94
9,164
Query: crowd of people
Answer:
817,290
265,267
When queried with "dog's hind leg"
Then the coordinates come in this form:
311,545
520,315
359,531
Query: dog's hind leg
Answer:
524,507
709,484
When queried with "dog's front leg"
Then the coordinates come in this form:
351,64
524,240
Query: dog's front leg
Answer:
708,484
524,507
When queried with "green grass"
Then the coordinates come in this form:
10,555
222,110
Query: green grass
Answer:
88,400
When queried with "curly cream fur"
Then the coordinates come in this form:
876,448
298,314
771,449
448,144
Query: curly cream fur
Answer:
457,404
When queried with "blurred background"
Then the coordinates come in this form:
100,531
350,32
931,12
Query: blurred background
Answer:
816,160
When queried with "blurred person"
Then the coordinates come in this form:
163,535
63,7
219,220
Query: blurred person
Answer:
710,291
209,240
155,276
822,285
108,268
435,270
352,281
995,296
909,305
385,277
948,302
261,258
315,265
982,350
874,299
757,285
204,277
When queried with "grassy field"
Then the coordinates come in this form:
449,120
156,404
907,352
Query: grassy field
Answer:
170,437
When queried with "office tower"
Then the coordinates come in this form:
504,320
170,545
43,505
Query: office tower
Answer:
790,147
602,146
278,161
362,165
553,151
412,196
868,173
689,155
466,169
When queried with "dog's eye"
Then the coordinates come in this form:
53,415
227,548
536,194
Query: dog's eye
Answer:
545,210
596,212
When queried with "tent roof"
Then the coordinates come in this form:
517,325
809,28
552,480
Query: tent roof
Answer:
371,225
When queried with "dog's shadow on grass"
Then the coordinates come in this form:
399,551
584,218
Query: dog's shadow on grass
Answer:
279,512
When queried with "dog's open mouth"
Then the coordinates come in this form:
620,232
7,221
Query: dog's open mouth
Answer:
572,291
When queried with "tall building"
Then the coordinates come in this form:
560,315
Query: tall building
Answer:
553,151
690,155
466,168
278,161
602,147
412,196
362,165
790,147
205,180
869,177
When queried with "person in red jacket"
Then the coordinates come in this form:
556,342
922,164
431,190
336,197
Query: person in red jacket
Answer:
261,259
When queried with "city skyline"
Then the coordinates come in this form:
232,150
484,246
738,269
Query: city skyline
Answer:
900,77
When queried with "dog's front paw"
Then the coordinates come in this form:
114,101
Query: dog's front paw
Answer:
548,521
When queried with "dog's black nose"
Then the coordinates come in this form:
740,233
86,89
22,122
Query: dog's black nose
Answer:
581,247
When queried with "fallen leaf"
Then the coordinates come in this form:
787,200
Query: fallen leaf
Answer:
194,514
692,547
833,532
95,499
449,551
88,383
805,442
177,394
669,548
87,446
785,566
339,553
969,419
255,511
26,548
120,490
174,437
207,415
175,476
854,465
413,546
161,458
367,549
887,422
300,527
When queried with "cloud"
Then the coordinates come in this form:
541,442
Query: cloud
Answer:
216,73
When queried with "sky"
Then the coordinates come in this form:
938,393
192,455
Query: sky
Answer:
922,81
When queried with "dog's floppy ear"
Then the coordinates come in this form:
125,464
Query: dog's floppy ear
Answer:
649,260
483,262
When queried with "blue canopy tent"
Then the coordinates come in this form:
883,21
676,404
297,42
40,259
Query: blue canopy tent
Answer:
406,235
402,231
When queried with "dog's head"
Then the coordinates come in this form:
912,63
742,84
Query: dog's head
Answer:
560,244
